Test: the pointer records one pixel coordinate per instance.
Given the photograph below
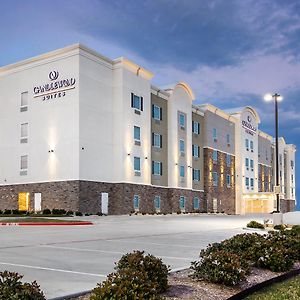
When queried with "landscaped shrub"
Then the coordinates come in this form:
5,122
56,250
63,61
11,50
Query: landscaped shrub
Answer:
280,227
254,224
296,229
1,212
47,211
155,269
58,211
12,288
70,213
78,213
219,266
7,212
126,284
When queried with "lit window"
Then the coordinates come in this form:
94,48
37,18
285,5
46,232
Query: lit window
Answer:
136,102
136,202
181,171
156,112
228,180
24,133
214,133
182,120
196,127
157,202
24,102
137,133
156,140
181,146
182,202
195,150
215,156
196,203
215,178
137,164
228,160
156,168
196,175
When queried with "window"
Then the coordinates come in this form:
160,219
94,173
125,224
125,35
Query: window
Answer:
215,156
137,133
156,140
157,202
252,182
247,163
215,178
24,133
195,150
24,165
136,102
137,164
292,164
156,168
228,180
136,202
196,203
247,182
292,177
181,171
280,158
156,112
228,160
251,164
215,134
182,202
196,127
228,139
251,145
196,175
182,120
24,102
181,146
247,144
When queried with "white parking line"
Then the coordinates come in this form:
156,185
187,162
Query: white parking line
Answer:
50,269
105,251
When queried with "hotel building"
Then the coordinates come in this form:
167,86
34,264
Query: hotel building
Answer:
85,133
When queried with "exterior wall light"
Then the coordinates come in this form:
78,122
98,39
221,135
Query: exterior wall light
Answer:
128,154
51,151
146,157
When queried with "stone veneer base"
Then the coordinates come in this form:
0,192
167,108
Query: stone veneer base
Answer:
85,196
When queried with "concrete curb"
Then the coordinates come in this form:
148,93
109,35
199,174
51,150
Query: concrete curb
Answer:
46,223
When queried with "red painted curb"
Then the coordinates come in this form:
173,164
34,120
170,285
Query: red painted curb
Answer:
45,224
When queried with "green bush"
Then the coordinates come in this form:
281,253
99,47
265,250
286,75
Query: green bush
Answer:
58,211
126,284
254,224
296,229
7,212
280,227
78,214
219,266
1,212
12,288
47,211
69,213
155,269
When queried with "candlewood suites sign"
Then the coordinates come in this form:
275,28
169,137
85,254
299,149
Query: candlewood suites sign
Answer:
249,128
57,88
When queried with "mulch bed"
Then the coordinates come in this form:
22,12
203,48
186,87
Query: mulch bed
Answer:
183,287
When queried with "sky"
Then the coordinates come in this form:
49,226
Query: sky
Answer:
231,52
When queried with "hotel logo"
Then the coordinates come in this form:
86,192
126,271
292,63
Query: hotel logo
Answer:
53,75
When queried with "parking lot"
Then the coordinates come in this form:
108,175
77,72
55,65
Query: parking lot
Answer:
70,259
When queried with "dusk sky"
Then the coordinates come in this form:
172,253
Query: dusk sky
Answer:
231,52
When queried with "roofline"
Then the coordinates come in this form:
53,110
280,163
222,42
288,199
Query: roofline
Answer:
216,111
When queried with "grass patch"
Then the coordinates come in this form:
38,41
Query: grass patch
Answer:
289,289
36,220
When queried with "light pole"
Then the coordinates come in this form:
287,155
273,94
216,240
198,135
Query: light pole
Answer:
277,98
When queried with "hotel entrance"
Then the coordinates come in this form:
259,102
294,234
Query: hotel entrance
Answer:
259,203
24,201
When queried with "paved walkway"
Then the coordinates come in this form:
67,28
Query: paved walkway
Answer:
66,260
